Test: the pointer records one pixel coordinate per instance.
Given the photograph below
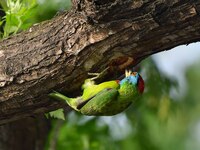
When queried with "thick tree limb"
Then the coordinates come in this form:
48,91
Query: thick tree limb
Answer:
57,54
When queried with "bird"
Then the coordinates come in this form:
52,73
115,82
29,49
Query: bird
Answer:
107,98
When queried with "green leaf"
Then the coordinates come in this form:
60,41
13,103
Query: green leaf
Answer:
59,114
18,13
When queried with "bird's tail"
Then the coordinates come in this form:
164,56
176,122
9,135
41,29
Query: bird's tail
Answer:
70,101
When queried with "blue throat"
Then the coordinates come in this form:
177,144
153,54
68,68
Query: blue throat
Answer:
131,79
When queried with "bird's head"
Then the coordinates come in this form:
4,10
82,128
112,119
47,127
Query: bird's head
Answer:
135,79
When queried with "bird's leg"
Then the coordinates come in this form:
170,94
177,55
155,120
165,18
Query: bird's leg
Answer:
90,81
98,75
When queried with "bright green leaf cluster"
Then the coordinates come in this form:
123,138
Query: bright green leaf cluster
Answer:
21,14
59,114
17,14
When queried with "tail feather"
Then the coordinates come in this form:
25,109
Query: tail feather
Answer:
61,97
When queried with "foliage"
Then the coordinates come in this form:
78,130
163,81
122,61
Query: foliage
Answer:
49,8
17,15
59,114
21,14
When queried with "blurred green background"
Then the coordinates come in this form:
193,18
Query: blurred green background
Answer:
166,117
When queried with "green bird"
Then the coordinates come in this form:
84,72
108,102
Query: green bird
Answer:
107,98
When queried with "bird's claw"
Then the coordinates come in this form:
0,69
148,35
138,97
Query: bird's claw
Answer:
97,75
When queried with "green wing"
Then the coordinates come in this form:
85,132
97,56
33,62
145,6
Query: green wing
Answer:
101,103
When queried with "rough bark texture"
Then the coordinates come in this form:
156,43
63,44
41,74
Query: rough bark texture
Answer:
57,54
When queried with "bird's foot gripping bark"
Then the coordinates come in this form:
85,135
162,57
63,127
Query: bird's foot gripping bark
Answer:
98,75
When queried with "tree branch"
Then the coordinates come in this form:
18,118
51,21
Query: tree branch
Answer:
57,54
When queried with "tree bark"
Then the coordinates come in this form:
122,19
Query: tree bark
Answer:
93,35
